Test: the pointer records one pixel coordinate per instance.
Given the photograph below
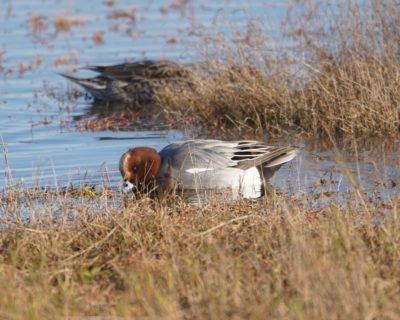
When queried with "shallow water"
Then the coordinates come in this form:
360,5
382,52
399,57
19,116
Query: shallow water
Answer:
43,145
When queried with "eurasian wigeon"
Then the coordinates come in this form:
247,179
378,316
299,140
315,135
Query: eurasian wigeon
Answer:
137,82
243,166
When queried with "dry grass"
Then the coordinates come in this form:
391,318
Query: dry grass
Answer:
339,75
79,254
272,259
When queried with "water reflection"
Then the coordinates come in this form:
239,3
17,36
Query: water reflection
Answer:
112,116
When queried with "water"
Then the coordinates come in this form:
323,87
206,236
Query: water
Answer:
44,145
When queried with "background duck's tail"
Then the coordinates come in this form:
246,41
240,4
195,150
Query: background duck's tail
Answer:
93,84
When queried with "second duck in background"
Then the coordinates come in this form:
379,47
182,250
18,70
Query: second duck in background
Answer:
137,82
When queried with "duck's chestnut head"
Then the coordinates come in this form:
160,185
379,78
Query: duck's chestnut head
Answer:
139,166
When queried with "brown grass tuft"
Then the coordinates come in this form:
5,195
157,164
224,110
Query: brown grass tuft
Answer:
339,77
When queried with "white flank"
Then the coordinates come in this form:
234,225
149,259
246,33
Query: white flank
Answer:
198,170
250,183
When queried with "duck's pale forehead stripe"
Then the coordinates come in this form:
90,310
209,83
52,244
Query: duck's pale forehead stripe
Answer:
124,163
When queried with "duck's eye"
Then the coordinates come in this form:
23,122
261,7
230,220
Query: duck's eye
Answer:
135,169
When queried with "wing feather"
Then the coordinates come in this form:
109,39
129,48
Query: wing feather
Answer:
266,156
243,154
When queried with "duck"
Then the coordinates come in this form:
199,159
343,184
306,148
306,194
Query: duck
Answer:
136,82
242,166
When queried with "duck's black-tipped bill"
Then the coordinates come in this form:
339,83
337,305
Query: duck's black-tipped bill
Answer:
127,186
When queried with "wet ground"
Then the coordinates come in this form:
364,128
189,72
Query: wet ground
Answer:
44,143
